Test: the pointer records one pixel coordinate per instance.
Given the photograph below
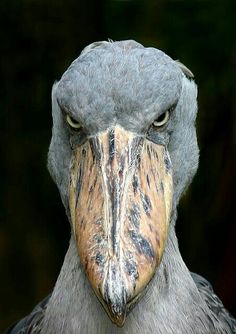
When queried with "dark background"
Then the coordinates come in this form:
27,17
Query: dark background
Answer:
39,39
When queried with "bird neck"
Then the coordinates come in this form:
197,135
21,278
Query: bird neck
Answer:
172,301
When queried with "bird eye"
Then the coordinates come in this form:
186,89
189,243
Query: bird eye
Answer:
162,119
72,122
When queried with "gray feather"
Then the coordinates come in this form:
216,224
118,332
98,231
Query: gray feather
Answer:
126,83
32,322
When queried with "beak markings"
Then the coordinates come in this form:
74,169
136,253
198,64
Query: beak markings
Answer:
120,202
147,205
142,245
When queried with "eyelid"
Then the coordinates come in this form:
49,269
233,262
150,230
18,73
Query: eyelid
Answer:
73,123
159,123
172,107
163,121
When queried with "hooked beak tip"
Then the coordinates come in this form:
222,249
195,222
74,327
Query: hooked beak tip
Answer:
117,313
114,298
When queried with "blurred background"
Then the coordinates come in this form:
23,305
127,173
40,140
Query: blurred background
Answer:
39,39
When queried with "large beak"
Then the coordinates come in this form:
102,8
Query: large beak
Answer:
120,204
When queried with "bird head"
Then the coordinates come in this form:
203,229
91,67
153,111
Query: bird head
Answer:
123,149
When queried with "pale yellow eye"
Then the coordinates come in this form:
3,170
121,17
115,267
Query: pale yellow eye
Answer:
72,122
162,119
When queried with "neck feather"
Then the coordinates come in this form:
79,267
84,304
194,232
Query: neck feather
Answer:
172,303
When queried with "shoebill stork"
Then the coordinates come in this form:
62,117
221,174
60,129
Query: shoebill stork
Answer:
123,150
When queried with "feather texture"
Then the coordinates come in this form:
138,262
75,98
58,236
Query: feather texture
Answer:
126,84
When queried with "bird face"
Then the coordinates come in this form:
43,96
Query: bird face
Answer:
113,122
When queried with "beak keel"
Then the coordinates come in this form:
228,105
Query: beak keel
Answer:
120,196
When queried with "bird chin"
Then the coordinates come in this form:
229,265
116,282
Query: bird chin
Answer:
120,196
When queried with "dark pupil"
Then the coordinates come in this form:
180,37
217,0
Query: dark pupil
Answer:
73,120
161,117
